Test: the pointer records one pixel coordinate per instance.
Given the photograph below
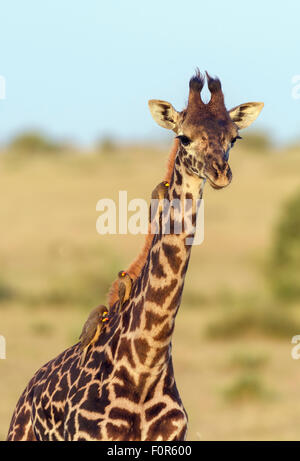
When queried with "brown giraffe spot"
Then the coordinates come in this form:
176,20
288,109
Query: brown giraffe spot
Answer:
186,163
157,268
128,389
92,363
132,419
185,267
84,378
137,286
145,274
154,411
66,365
70,425
161,351
165,425
151,390
142,348
73,369
188,206
106,369
62,389
194,219
175,302
52,384
153,319
117,431
96,400
173,260
58,416
199,165
41,413
125,320
77,397
22,421
125,351
165,332
90,426
159,295
114,342
136,317
178,180
175,194
45,400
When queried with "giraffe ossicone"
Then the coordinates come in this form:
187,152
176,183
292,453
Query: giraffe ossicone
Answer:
125,388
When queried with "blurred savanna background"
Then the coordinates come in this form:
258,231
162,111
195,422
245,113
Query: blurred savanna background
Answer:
75,128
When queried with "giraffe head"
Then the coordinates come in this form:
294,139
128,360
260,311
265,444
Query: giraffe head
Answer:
206,132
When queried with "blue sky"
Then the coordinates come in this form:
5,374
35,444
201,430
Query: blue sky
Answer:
82,69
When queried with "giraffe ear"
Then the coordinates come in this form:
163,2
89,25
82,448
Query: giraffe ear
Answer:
164,114
245,114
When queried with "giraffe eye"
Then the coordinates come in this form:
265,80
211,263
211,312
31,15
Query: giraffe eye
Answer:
234,139
184,140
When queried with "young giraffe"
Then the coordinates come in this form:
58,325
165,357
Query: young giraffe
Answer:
126,388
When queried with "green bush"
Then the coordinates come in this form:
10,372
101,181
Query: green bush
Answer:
248,360
85,289
6,292
106,145
33,142
257,141
246,387
284,264
41,328
265,321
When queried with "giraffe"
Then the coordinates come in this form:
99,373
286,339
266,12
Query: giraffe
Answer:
126,389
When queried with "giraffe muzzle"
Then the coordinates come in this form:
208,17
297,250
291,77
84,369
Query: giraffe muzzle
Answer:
218,175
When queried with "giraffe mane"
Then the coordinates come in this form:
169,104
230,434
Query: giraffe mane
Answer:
137,265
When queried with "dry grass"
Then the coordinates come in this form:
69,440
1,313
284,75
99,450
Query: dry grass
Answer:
55,268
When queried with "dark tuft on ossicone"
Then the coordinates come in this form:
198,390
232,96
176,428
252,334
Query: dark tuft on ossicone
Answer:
214,84
197,81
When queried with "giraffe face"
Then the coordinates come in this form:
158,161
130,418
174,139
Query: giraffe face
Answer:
205,146
206,132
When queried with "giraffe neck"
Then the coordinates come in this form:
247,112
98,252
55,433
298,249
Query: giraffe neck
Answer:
158,289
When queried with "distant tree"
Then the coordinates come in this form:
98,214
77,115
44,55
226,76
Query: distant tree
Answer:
106,144
33,142
257,141
6,292
284,268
